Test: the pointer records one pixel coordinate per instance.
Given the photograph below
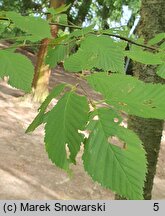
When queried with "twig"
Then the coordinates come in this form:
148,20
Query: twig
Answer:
99,33
130,41
111,35
64,25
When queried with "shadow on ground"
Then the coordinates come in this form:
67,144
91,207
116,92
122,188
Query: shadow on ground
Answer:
25,170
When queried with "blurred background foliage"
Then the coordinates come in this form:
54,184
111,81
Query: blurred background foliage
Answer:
104,14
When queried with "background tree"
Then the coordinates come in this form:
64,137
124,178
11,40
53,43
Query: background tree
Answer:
97,12
151,23
42,70
105,54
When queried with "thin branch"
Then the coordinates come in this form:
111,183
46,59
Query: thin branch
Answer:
85,92
4,19
64,25
130,41
111,35
99,33
30,45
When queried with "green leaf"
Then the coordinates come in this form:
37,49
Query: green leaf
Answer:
159,37
130,95
119,31
19,69
161,70
24,38
162,46
61,130
35,26
61,19
81,32
56,55
39,119
59,10
97,52
144,57
122,169
3,26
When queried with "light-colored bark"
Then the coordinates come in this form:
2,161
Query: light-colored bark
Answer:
42,71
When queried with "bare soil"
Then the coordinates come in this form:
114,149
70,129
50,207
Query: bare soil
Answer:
25,170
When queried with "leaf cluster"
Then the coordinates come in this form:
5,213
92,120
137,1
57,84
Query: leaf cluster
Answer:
113,155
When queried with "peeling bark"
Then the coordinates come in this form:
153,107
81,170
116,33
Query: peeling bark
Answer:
42,71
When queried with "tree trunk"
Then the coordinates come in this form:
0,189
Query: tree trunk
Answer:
82,12
149,130
42,71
